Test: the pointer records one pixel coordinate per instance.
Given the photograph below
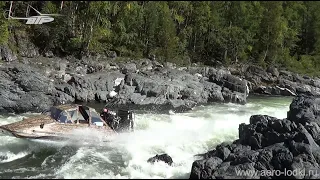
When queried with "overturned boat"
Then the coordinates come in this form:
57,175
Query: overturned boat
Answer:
59,122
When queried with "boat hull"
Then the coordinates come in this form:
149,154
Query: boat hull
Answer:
50,129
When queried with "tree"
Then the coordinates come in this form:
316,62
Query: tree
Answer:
4,33
271,33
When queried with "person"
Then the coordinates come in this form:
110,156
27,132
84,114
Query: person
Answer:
122,120
110,118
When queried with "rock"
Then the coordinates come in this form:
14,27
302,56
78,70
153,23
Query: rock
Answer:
7,54
267,144
305,109
255,72
229,81
170,65
94,67
156,64
66,77
273,70
207,165
49,54
162,157
112,94
129,68
88,79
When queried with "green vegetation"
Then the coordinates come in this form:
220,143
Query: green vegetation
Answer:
282,33
4,32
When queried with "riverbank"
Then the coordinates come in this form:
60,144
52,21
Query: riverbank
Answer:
34,84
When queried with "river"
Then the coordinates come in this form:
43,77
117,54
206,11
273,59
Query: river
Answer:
180,135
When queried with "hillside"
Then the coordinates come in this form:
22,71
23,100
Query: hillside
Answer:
285,34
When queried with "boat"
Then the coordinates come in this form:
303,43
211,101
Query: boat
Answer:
59,122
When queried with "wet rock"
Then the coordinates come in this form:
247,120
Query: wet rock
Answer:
202,169
162,157
268,143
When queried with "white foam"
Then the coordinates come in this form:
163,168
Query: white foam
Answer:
180,135
9,156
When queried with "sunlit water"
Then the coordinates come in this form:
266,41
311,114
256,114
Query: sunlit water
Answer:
180,135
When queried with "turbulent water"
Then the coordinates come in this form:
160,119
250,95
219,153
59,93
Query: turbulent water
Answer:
180,135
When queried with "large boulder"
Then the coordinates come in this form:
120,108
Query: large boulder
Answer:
268,147
305,109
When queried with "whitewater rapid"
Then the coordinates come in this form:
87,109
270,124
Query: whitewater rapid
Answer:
182,136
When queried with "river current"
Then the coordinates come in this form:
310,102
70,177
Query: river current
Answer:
181,135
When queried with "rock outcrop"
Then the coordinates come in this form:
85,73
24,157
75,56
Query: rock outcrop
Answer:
36,84
268,147
277,82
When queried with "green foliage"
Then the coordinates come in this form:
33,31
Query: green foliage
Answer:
4,32
286,33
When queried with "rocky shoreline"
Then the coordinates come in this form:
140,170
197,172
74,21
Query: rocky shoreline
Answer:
34,84
269,144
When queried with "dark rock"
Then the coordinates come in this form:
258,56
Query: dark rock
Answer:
163,157
268,143
305,109
204,169
273,70
222,152
229,81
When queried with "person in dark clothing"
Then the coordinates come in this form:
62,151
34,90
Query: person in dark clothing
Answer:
110,118
120,121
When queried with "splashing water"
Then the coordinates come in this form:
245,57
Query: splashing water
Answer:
181,135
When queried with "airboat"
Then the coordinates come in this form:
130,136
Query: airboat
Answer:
59,122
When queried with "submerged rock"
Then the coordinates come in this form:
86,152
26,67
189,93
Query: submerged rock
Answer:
162,157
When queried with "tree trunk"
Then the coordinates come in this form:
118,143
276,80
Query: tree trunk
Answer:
194,42
90,37
265,54
225,55
73,12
